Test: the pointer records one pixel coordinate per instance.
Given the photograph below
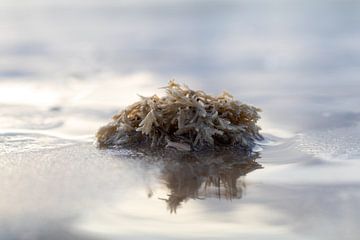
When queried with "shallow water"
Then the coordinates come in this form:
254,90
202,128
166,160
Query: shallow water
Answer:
67,66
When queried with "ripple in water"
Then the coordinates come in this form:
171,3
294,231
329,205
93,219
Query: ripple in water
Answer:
336,144
23,142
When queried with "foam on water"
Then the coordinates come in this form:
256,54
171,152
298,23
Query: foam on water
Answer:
338,144
23,142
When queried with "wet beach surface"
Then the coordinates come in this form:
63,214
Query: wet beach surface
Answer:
67,66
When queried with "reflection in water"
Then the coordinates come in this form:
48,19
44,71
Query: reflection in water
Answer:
192,176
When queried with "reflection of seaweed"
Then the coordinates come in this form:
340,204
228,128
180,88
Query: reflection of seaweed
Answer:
196,176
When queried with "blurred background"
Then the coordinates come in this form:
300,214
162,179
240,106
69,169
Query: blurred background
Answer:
298,54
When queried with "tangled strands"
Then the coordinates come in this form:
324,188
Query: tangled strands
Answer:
183,119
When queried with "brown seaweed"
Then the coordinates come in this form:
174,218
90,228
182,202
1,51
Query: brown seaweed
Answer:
183,119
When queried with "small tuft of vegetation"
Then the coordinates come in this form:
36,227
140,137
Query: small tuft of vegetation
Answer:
183,119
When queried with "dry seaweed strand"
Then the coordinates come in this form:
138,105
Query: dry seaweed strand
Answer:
183,119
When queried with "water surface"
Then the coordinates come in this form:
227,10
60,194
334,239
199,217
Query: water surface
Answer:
67,66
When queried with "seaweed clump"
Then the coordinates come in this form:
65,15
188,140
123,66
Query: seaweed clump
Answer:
183,119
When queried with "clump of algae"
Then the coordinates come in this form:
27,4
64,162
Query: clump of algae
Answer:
183,119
